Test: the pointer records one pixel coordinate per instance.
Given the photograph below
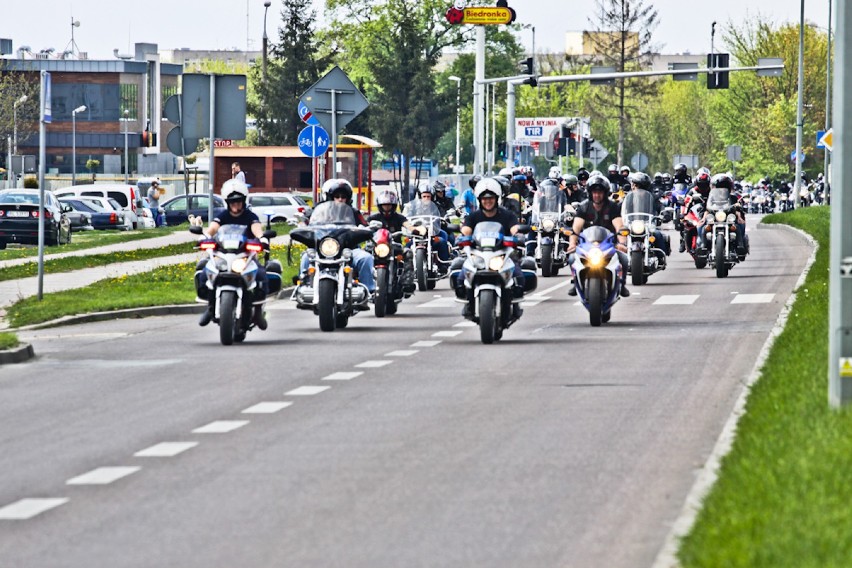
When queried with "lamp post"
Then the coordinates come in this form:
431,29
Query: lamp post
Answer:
266,6
458,122
74,112
126,114
19,102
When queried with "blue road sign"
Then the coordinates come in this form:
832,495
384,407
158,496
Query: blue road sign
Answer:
307,116
820,134
793,156
313,141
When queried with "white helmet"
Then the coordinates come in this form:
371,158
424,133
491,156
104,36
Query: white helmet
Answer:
488,185
554,173
234,190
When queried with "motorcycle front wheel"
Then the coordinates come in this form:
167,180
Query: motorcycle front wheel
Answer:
228,317
547,260
637,268
594,294
381,299
487,316
327,305
420,270
721,261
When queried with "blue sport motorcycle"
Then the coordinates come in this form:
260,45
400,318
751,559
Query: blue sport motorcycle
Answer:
597,273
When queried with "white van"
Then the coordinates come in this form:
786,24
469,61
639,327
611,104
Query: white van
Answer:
127,196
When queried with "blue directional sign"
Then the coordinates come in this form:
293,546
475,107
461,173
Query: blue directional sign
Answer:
313,141
819,145
306,115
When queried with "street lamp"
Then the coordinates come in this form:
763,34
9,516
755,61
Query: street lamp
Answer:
20,101
126,114
74,112
458,110
266,6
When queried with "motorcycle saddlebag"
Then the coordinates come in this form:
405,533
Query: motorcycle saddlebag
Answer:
530,280
273,276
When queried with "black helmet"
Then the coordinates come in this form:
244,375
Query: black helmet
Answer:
582,174
680,168
474,180
640,180
658,177
439,186
722,181
599,182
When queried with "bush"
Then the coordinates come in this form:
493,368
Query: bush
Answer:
8,340
31,182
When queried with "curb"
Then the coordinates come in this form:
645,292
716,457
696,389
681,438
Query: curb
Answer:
23,352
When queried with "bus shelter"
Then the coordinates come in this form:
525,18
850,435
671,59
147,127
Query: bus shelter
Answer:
355,164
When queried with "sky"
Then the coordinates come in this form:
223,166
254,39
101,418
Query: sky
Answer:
238,24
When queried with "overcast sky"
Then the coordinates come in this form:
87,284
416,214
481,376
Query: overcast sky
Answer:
238,24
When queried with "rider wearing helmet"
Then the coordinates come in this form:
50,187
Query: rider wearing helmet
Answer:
442,200
625,177
680,175
599,210
387,203
642,181
582,177
573,191
613,175
658,188
426,206
668,183
235,193
726,182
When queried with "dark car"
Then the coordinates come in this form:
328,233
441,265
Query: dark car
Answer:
98,216
179,208
80,220
19,218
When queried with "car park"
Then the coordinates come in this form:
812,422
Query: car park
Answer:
19,214
127,196
280,206
178,209
100,218
120,222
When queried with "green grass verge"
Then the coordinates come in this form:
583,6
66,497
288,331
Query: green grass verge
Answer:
162,286
8,341
783,497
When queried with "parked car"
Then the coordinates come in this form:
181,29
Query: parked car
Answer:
100,218
19,218
122,222
80,217
177,209
282,206
127,196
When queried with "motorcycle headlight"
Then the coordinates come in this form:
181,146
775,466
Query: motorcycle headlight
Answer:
731,217
221,264
239,265
382,250
478,262
595,257
329,247
637,227
496,263
720,216
548,224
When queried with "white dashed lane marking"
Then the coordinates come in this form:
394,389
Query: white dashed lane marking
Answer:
373,364
221,427
402,353
306,391
682,299
446,333
465,324
343,376
425,344
266,407
29,508
439,303
753,299
103,475
165,450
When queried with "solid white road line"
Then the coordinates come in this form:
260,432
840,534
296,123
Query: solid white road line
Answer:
753,299
425,344
103,475
343,376
306,391
29,508
446,333
402,353
266,407
220,427
165,450
676,299
373,364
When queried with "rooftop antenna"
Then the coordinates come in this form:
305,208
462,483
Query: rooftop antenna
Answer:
75,49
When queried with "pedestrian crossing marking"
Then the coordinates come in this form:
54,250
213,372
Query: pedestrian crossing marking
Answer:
753,298
676,299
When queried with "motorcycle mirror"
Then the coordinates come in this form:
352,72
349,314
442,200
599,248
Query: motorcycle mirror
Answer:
270,233
523,229
375,225
195,230
453,228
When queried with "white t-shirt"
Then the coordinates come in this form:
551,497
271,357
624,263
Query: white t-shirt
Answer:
240,175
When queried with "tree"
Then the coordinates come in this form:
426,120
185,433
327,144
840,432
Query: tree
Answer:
294,66
622,39
12,87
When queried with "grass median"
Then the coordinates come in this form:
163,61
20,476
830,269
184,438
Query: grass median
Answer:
163,286
782,497
8,341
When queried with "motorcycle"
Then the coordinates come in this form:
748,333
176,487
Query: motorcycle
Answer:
551,220
678,196
597,273
330,289
428,267
389,260
640,226
230,276
721,230
691,222
488,279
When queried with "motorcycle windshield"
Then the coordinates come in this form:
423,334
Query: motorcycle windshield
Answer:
488,235
719,199
427,213
548,199
231,237
595,235
638,201
680,189
333,213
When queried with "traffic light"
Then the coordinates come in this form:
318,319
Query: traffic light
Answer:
527,67
718,80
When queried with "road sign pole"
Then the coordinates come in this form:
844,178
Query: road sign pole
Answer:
212,168
334,133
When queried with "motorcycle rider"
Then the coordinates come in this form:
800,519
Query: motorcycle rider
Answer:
641,180
614,176
725,181
599,210
425,205
573,191
624,171
488,192
680,175
582,178
697,194
339,190
562,202
387,202
236,213
442,200
668,183
658,188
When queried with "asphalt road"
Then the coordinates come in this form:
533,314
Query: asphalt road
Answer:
561,445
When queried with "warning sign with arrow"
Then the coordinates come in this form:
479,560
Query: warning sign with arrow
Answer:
827,140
